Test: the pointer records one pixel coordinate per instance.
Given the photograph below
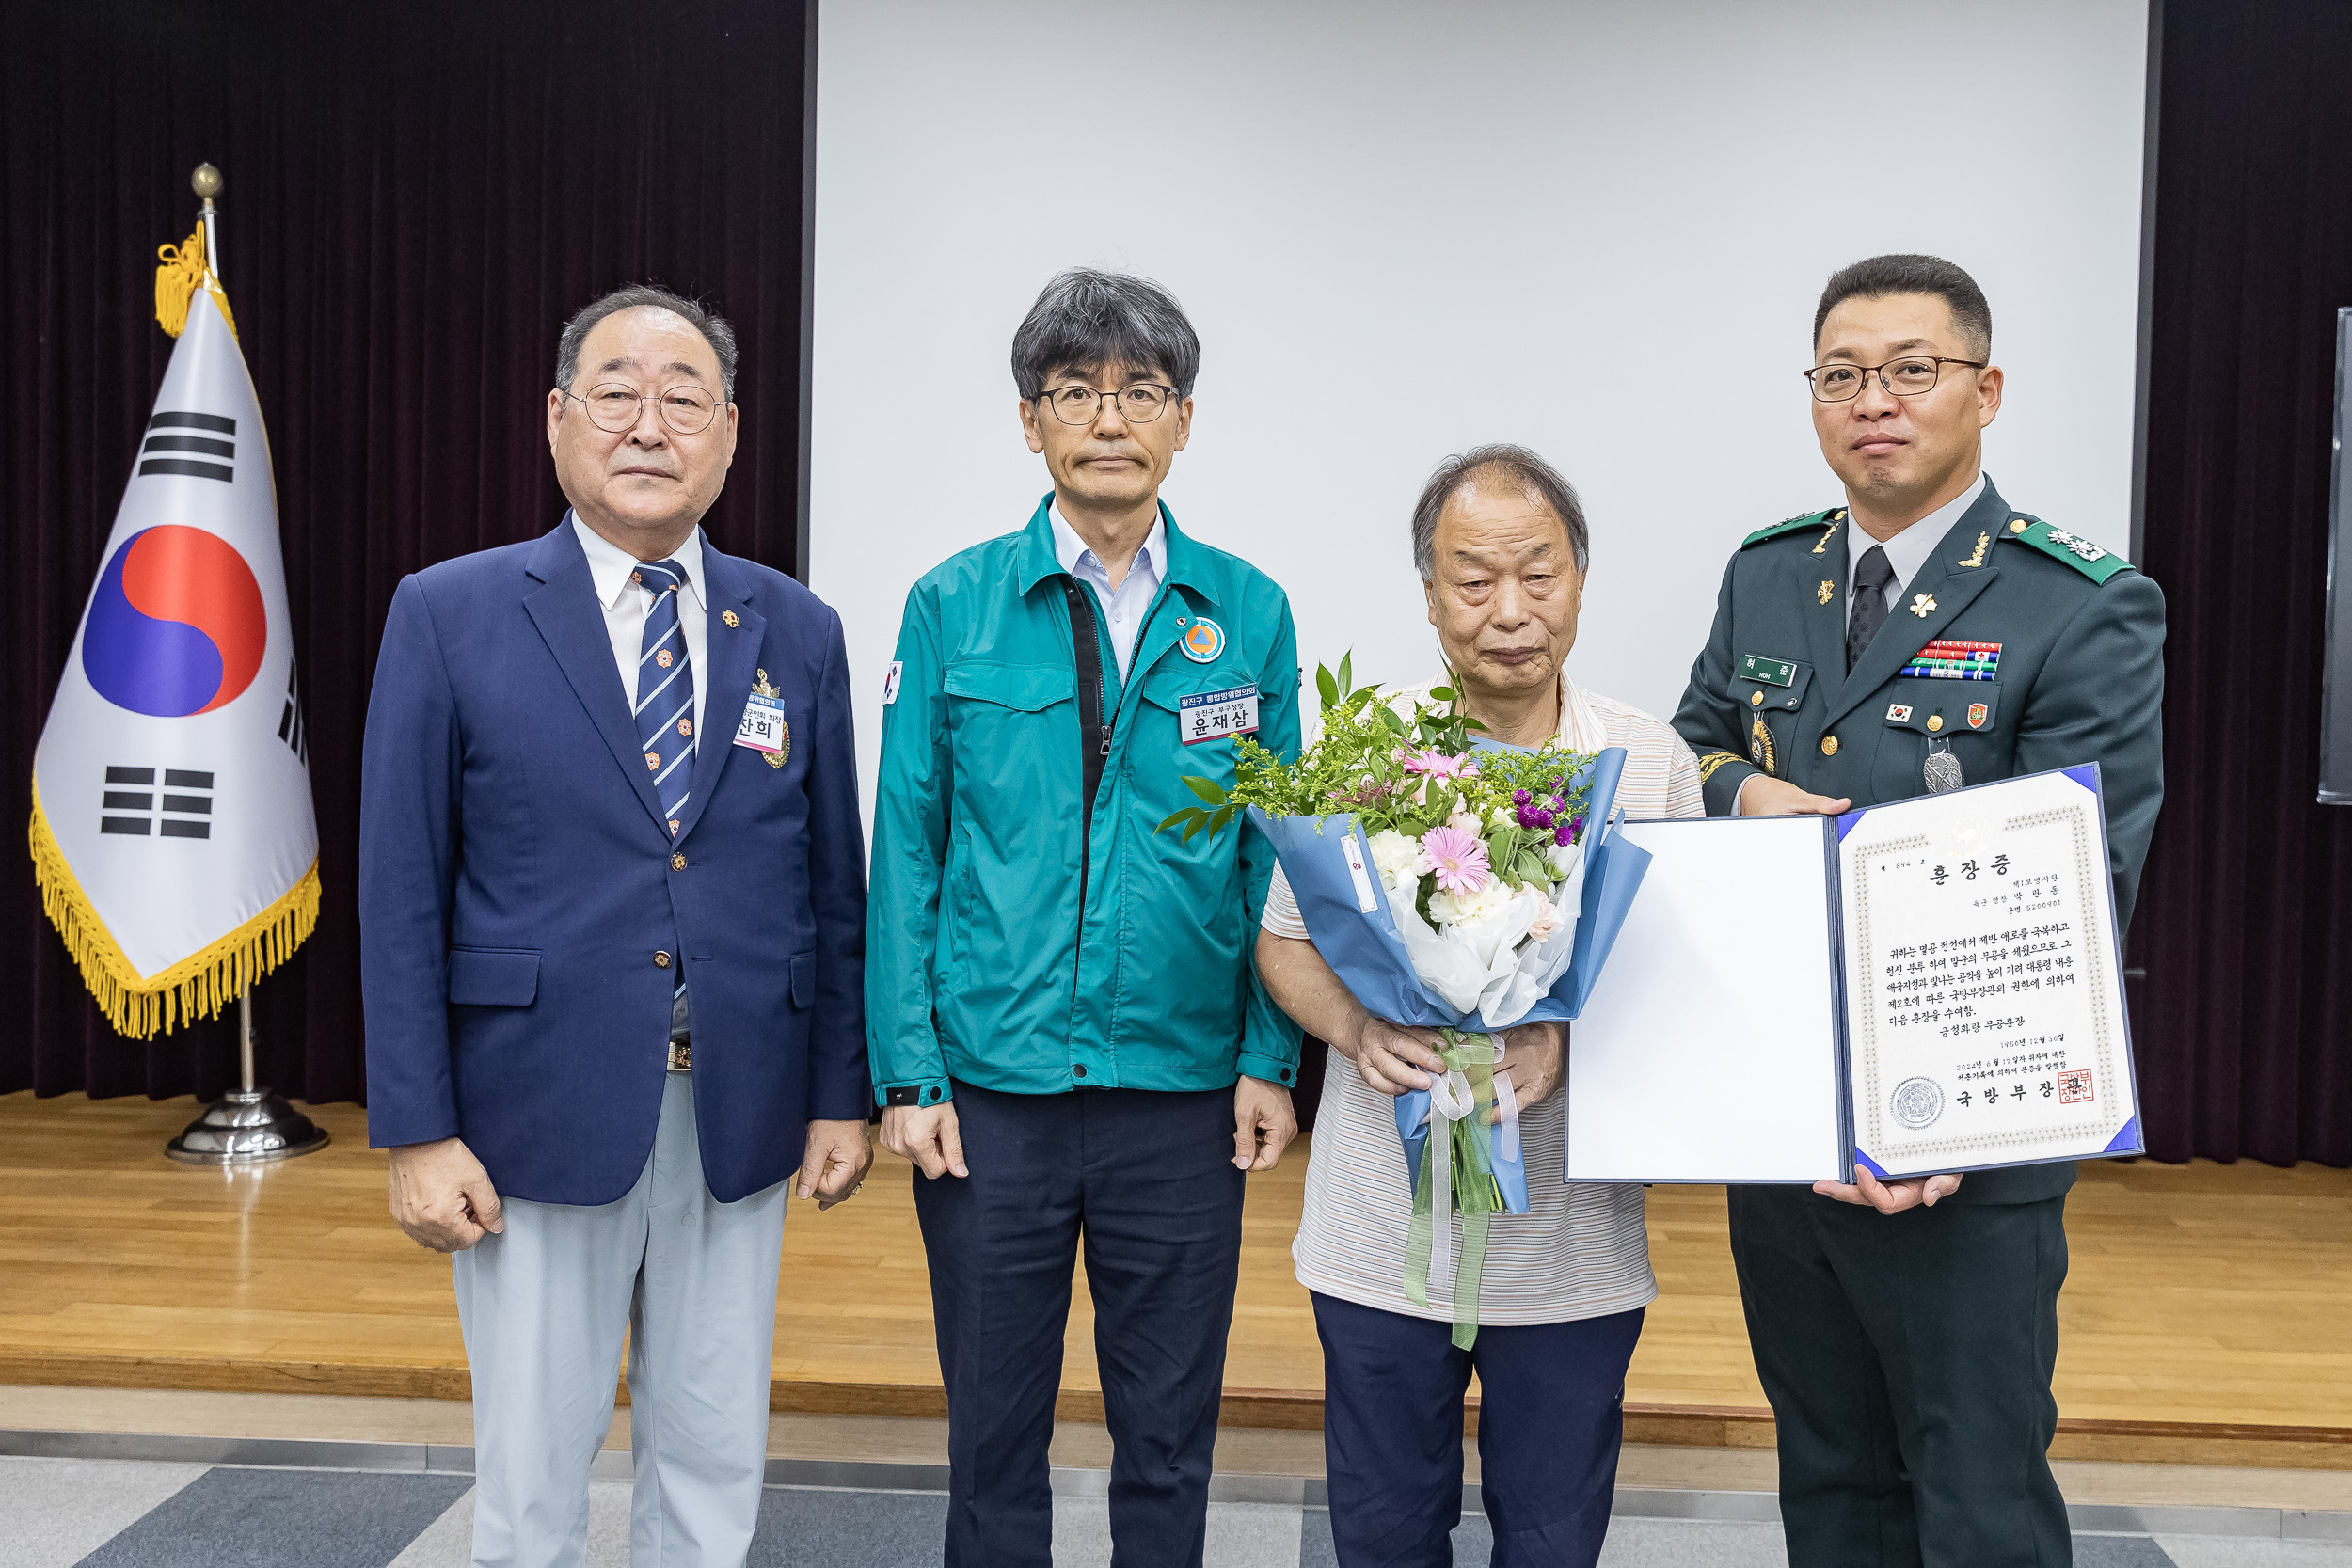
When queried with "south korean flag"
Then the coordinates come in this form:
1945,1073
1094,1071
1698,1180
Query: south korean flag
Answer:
172,829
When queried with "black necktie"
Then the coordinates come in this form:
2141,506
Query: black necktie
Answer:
1871,575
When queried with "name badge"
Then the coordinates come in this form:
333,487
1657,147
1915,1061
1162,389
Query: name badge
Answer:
762,728
1217,715
1772,671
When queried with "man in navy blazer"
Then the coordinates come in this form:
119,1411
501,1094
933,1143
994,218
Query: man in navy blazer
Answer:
612,902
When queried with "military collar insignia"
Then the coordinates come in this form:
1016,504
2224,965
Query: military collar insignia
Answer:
1923,605
1827,591
1976,557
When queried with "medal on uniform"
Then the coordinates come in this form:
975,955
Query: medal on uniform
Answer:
1941,773
1760,748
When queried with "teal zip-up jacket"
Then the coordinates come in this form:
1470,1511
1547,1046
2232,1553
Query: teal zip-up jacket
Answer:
981,964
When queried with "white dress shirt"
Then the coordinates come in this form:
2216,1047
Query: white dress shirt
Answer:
1127,604
625,605
1908,550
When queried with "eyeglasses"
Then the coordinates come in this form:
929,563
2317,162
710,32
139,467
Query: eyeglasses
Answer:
616,407
1902,378
1083,406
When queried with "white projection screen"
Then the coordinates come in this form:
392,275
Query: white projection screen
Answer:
1403,229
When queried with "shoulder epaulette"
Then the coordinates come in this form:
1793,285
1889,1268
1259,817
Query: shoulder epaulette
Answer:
2095,562
1810,519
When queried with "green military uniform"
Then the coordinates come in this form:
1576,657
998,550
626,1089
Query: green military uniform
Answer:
1908,1357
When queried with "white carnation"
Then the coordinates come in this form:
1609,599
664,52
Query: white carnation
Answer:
1395,855
1472,909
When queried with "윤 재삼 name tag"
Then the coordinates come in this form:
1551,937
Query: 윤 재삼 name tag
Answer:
1217,715
762,728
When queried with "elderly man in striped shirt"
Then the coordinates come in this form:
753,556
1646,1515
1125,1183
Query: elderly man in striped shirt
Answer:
1501,543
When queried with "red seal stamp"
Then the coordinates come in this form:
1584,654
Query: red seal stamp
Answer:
2075,1088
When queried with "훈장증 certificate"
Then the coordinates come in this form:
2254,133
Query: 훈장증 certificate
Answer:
1984,1014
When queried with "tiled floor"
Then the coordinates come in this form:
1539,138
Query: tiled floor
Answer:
121,1513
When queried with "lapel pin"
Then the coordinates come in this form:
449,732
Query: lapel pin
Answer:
1923,605
731,618
1828,591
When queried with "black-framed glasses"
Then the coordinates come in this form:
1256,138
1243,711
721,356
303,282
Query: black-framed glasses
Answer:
616,407
1906,377
1082,405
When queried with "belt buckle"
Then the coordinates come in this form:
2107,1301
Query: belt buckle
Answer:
682,1056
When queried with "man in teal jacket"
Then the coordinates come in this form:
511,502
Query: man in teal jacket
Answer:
1066,1032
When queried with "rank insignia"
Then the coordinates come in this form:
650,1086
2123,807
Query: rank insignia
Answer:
2078,544
1977,714
1976,558
1923,605
1827,591
1760,749
731,618
1899,713
782,753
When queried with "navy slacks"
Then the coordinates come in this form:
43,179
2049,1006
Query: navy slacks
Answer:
1550,1419
1145,1180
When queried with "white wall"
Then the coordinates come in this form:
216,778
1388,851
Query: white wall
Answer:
1402,230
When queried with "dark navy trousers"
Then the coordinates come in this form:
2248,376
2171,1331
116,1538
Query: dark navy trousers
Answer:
1145,1181
1550,1419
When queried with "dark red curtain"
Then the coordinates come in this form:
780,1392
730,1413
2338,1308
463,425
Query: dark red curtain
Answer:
416,196
2244,1024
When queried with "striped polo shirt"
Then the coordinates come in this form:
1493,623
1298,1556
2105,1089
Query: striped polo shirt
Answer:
1580,1251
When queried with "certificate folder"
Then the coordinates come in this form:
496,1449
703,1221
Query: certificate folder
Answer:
1931,985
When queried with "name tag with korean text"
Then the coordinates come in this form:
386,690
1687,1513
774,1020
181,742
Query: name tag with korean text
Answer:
762,728
1217,715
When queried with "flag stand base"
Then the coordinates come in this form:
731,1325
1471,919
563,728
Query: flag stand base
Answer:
247,1126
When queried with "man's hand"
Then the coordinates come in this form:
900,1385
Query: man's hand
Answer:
1765,795
1264,1124
1532,1053
443,1197
925,1134
1393,1060
1890,1198
834,1160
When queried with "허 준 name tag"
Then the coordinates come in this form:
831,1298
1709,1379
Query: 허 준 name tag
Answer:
1772,671
1217,715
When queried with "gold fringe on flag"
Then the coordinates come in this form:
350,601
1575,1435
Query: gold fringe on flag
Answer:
186,269
199,986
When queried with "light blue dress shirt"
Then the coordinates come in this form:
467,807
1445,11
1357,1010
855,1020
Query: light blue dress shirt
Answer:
1126,605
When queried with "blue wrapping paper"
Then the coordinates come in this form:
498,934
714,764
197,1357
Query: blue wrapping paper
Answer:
1365,951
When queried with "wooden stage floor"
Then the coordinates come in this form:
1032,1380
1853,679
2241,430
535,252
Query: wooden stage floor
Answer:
2208,1318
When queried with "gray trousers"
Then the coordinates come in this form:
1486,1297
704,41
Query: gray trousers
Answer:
544,1306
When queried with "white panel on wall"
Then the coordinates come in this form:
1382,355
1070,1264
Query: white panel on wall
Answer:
1403,229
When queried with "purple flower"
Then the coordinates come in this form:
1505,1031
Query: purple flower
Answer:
1564,834
1520,797
1541,820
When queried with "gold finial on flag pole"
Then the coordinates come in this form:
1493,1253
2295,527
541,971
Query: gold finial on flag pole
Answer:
206,183
193,264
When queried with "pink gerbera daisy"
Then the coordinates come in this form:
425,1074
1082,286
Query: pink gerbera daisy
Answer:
1458,859
1439,766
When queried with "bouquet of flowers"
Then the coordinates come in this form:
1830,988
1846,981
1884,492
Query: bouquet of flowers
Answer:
1450,882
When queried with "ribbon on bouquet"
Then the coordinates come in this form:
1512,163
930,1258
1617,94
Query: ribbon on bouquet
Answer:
1459,1159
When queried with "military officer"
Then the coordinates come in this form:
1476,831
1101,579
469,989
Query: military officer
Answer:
1922,635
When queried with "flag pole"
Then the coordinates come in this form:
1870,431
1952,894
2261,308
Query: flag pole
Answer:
248,1125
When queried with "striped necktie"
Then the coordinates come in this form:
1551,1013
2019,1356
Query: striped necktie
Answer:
665,690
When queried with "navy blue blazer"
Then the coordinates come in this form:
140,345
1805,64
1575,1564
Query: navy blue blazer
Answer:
523,909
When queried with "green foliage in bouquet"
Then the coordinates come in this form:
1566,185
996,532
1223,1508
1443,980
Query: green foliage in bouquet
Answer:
1408,776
